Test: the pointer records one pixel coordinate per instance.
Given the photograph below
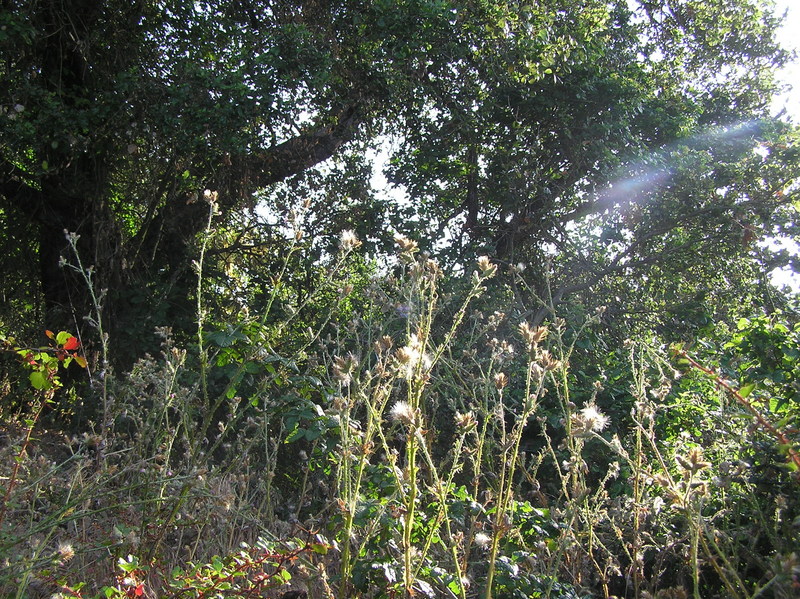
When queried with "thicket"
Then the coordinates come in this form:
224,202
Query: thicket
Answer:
395,431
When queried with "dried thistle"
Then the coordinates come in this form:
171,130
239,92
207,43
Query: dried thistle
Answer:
500,380
406,245
588,420
403,412
694,461
547,360
466,421
348,240
486,267
383,344
533,336
343,368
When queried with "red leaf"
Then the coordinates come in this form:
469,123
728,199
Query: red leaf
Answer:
139,590
72,344
49,334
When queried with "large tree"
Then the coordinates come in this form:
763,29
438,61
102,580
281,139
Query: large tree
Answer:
513,124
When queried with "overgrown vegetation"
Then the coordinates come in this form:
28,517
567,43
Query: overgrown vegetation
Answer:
558,367
420,447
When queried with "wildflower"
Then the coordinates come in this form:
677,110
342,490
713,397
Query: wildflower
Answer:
482,540
412,359
406,244
210,196
595,419
500,380
403,412
588,420
65,552
348,240
532,335
486,267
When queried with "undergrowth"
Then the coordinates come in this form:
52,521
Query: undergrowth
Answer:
399,442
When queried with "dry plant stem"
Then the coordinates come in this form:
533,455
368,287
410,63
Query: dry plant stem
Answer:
708,543
416,386
86,274
763,422
12,480
201,350
442,514
637,486
505,497
349,483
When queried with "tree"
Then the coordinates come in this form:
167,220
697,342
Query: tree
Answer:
511,120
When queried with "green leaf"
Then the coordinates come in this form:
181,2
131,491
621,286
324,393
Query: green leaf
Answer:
39,380
747,389
295,435
319,548
283,575
217,564
128,564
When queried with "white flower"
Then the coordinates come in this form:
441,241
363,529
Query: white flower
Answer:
402,412
348,240
412,359
65,552
486,267
593,418
482,540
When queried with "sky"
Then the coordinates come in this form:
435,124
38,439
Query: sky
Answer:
789,37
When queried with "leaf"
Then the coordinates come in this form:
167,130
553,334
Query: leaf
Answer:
128,565
747,389
39,380
72,344
49,334
217,564
295,435
81,361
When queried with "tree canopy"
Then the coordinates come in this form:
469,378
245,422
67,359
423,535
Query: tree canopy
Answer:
613,140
